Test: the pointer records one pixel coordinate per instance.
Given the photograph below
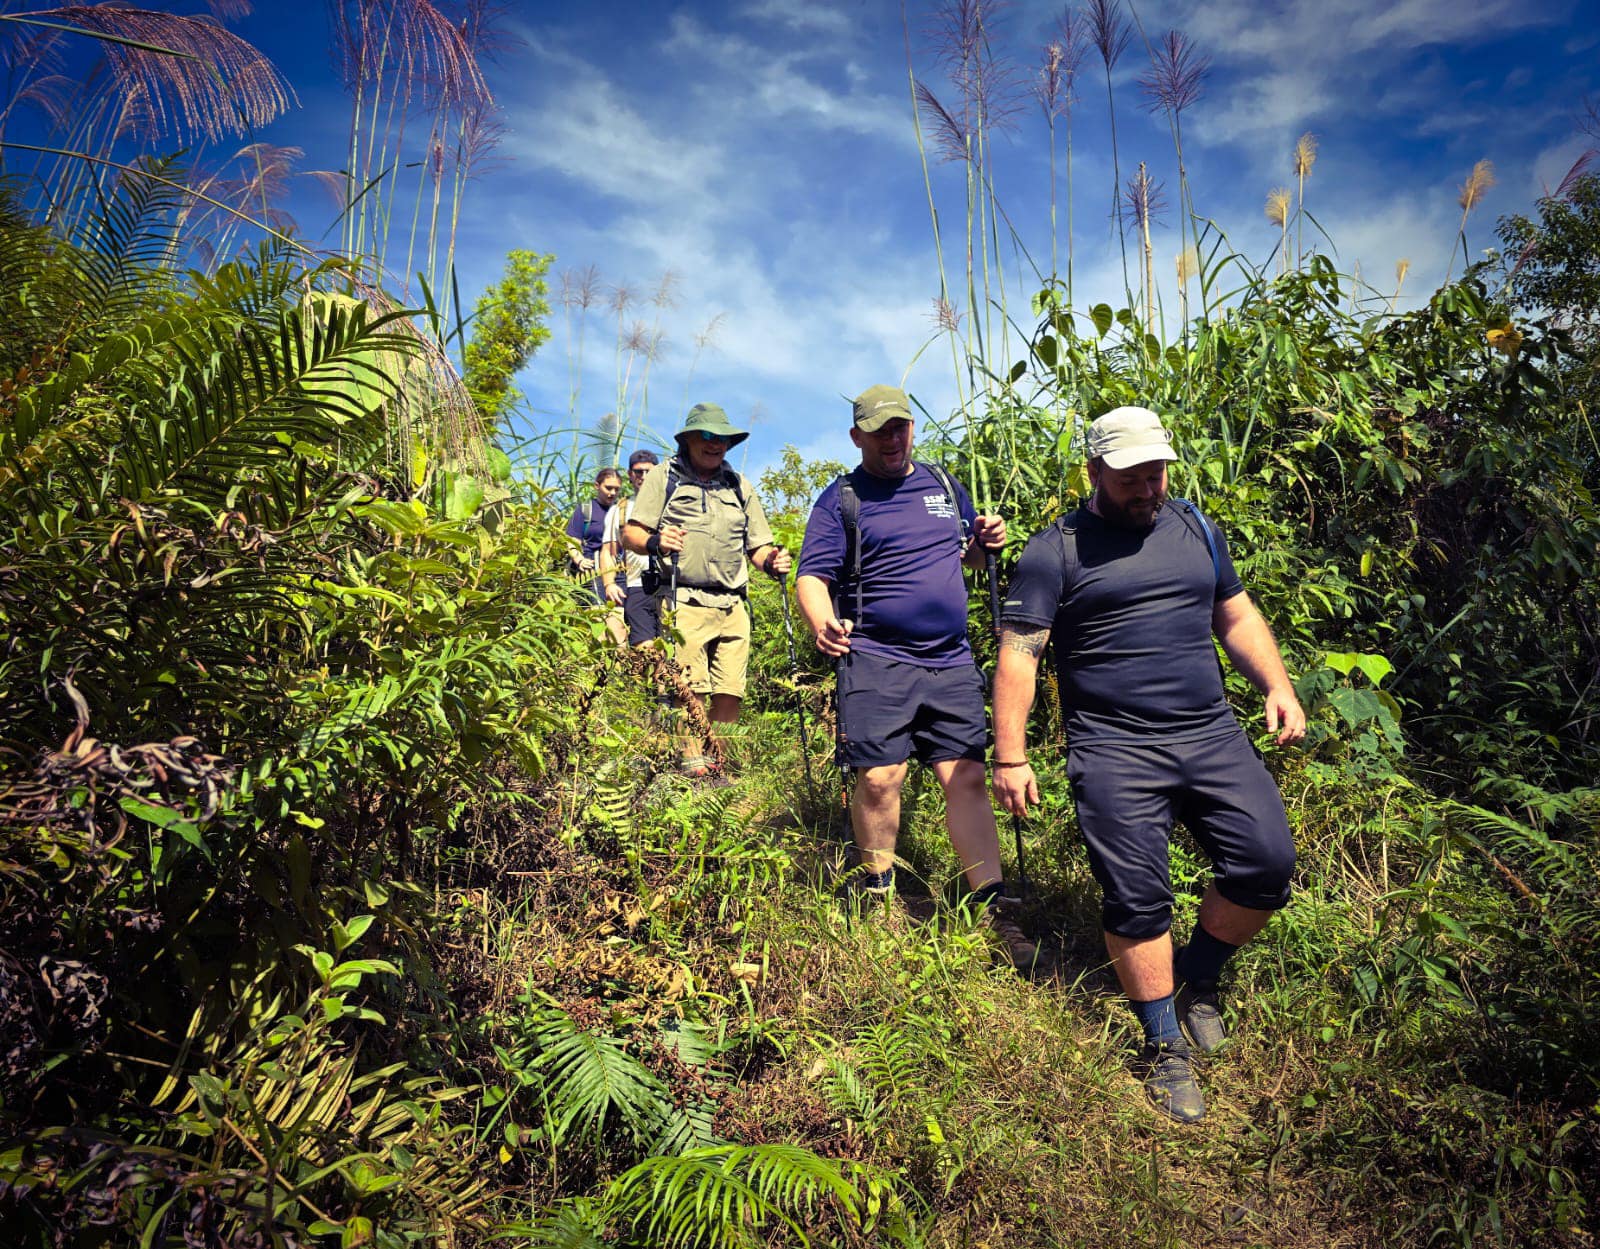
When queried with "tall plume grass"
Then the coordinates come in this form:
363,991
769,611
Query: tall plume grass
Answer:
1172,85
1277,209
1304,157
1478,184
1145,199
1110,33
1056,89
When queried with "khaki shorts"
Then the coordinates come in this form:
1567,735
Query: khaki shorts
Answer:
715,651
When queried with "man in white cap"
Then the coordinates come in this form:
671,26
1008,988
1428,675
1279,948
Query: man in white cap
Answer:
1130,589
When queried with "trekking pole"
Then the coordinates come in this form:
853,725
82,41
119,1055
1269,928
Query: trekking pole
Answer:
794,677
991,564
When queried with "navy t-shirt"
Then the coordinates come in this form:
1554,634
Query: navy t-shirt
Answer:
912,535
1129,613
588,525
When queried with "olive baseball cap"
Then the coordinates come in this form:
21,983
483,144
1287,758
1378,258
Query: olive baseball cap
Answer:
876,406
710,419
1124,437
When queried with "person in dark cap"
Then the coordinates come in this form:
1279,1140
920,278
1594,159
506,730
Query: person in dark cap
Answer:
700,521
880,586
1130,590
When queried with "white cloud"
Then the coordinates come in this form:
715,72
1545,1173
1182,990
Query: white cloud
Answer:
812,17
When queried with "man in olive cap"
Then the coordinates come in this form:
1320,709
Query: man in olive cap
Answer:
703,520
1130,590
880,586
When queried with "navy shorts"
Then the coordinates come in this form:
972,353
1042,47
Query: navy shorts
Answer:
1128,795
642,611
891,711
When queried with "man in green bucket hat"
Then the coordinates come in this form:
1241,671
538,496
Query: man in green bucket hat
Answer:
699,520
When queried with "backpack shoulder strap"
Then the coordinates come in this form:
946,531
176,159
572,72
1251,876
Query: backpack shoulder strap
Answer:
949,488
850,516
1186,508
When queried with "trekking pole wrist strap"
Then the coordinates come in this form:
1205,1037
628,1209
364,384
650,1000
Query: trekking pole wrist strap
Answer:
652,545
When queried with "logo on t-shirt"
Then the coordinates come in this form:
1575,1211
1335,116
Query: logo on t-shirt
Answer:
939,505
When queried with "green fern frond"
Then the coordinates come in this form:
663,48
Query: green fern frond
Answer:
724,1194
591,1077
576,1223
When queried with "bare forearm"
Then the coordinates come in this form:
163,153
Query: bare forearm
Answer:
1015,678
1248,640
815,597
634,538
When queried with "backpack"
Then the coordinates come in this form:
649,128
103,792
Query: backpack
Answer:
1185,508
650,579
1193,518
850,514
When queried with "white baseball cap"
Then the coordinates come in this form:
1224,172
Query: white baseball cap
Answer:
1124,437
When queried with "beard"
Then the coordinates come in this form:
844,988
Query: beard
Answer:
1136,517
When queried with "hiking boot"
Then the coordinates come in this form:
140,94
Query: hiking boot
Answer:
1168,1076
1001,916
1200,1014
708,772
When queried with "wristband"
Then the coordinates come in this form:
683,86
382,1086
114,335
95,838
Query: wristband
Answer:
1010,763
652,545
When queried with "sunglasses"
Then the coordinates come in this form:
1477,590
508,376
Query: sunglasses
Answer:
707,436
640,471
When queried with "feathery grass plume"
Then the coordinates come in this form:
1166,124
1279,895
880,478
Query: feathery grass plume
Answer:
580,291
1176,75
1187,266
1172,84
946,316
1304,157
1146,200
989,85
1057,91
1401,268
221,84
1277,208
1110,32
1305,154
950,135
1278,213
705,340
1477,185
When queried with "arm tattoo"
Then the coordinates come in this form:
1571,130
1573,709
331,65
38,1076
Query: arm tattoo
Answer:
1030,644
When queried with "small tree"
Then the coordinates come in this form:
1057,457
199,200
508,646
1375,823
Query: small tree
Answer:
508,327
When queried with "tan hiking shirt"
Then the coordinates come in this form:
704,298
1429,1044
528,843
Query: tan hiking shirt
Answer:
712,569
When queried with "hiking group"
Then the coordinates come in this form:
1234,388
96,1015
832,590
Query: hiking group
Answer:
1130,591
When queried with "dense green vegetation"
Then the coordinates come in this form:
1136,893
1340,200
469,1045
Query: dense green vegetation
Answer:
348,896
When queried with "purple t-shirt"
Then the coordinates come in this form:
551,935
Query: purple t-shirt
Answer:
588,525
913,600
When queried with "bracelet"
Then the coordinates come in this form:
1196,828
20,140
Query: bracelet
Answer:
1010,763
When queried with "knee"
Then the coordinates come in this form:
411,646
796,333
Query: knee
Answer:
876,786
966,779
1137,920
1262,881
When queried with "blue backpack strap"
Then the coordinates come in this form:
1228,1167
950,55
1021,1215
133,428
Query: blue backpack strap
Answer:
1187,508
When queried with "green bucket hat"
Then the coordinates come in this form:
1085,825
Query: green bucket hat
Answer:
709,418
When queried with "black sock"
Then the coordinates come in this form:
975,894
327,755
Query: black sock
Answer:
984,894
1200,962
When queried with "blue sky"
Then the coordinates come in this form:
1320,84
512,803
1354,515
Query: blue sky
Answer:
763,152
